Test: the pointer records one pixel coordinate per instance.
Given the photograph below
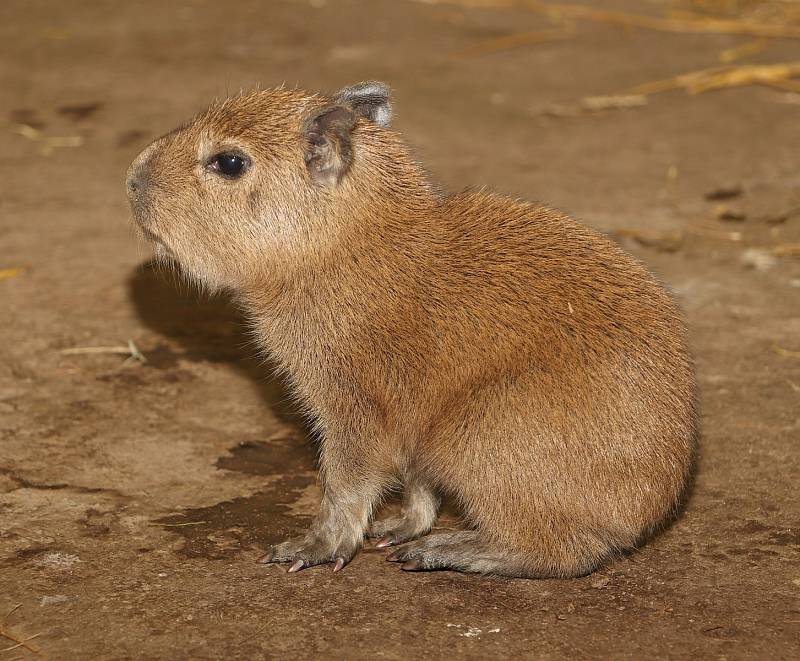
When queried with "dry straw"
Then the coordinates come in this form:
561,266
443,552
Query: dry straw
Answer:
684,22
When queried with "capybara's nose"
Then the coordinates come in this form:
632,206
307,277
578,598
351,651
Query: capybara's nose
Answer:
136,181
138,184
133,185
138,178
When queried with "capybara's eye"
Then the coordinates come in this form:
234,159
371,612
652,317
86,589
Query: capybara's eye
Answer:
228,164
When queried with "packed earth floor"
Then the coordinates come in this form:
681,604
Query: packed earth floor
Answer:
146,455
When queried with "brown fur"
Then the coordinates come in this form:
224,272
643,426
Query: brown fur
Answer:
491,349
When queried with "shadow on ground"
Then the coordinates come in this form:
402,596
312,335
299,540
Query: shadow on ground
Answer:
203,328
251,522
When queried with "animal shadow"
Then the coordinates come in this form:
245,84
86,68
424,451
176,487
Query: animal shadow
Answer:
204,328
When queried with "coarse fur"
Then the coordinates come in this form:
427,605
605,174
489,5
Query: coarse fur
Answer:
487,348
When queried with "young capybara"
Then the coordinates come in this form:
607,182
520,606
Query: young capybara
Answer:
472,345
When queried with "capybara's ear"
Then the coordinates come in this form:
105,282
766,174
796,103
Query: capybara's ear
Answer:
370,99
328,149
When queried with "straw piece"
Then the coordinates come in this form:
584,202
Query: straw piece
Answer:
786,85
5,633
131,351
6,274
46,142
79,351
754,47
613,101
20,643
786,353
511,41
786,250
703,80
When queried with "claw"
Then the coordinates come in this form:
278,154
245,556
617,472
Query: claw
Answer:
265,559
297,566
384,542
394,557
411,565
339,565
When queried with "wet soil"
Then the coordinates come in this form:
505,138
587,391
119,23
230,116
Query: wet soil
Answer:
136,497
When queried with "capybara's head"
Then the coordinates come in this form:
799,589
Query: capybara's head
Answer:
251,182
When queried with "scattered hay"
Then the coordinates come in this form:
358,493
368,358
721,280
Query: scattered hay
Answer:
684,23
778,75
704,80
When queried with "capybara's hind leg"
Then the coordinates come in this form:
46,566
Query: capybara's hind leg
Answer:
467,551
461,551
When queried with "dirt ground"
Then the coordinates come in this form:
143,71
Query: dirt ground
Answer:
134,498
